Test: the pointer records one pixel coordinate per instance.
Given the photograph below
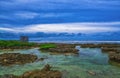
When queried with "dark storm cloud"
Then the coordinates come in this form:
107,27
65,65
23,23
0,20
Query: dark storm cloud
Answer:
28,12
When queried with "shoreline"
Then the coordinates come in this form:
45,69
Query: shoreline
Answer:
79,42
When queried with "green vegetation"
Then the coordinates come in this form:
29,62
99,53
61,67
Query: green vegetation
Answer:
14,44
47,46
58,48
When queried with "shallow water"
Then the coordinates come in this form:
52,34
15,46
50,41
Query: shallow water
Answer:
72,66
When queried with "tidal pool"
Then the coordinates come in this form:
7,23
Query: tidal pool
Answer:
90,63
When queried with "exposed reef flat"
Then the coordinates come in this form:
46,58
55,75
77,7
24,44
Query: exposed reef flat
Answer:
100,45
59,48
46,72
8,59
114,53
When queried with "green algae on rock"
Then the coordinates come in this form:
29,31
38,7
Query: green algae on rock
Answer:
14,44
59,48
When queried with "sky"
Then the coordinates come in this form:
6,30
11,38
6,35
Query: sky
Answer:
60,15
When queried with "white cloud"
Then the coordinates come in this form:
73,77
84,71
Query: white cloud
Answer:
68,27
26,15
7,29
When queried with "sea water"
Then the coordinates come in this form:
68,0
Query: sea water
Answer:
88,61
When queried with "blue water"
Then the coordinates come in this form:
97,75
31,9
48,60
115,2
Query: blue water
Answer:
72,66
65,40
77,42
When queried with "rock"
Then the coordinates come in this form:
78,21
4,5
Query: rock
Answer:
91,73
46,72
114,56
41,59
8,59
62,49
105,49
90,45
46,68
114,53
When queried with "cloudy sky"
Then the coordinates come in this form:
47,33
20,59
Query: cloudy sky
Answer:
60,15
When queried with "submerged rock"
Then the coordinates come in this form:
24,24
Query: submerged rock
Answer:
8,59
46,72
91,73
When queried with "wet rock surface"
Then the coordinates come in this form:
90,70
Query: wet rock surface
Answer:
8,59
114,53
114,56
46,72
